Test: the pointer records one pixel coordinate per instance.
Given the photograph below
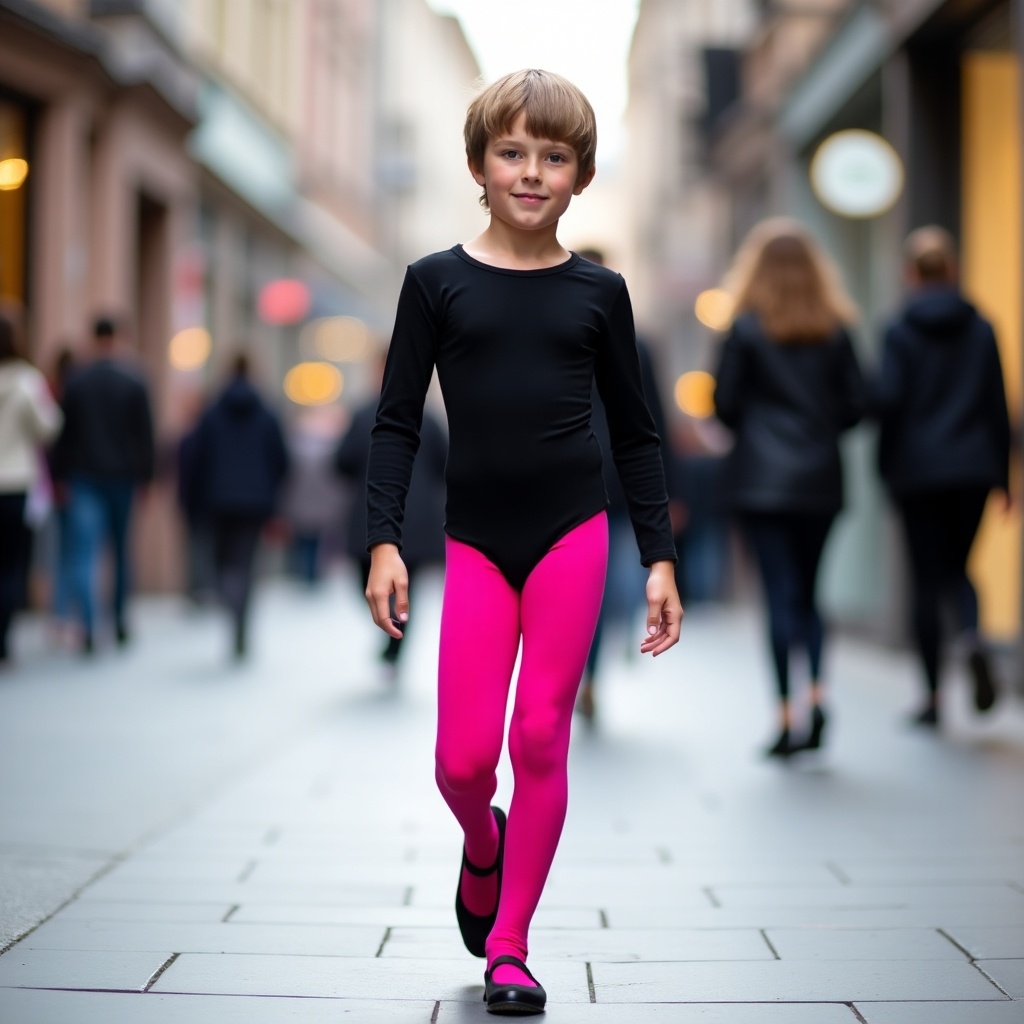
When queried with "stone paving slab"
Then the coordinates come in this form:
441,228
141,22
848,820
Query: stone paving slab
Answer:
941,1013
1007,974
297,891
101,910
207,938
354,978
816,981
28,1006
991,943
51,968
678,1013
594,944
862,944
887,896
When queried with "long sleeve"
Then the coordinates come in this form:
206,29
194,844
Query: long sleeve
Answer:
395,438
729,381
635,443
1000,417
852,392
44,415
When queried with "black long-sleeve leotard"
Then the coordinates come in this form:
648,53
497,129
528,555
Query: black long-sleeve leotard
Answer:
516,351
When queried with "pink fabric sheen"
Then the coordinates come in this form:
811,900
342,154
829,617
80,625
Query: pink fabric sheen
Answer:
482,620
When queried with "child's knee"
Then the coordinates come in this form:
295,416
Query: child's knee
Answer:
538,740
463,771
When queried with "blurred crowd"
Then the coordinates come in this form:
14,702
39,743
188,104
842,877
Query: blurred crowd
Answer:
78,452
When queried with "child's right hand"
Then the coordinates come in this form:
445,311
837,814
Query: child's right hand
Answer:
388,576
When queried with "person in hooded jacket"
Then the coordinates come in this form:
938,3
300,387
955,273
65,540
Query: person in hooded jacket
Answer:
29,418
944,445
788,384
239,462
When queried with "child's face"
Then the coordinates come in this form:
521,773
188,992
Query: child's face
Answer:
529,181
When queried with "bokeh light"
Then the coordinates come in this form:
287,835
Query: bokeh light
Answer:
189,349
283,302
13,172
694,393
313,383
714,308
341,339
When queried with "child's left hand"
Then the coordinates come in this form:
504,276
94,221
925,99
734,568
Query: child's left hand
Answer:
664,610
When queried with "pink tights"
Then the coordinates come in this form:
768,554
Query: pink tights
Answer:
482,620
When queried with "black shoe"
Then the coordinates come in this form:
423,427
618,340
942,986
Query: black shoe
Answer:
813,741
984,688
513,998
783,746
475,928
928,716
121,634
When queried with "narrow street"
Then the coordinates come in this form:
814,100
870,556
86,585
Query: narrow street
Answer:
263,843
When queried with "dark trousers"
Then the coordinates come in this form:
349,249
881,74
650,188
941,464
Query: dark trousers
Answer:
99,512
940,527
788,547
15,556
236,539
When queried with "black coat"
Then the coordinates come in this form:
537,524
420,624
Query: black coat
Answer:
423,528
238,457
787,404
940,398
108,425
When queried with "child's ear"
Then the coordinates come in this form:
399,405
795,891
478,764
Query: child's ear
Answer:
478,174
582,183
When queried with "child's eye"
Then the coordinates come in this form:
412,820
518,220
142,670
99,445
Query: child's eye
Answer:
557,158
510,154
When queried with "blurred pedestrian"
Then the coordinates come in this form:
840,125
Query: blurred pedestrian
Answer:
107,451
199,581
237,468
313,495
518,328
624,584
62,595
788,385
944,445
29,418
423,528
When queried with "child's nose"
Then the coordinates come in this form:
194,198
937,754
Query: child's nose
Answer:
532,168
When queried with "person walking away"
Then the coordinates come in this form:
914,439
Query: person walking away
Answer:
517,328
624,586
238,465
944,446
62,591
423,528
313,495
788,384
29,419
107,450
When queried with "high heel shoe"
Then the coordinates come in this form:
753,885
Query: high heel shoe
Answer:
813,741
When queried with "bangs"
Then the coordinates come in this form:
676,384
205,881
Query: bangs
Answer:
553,107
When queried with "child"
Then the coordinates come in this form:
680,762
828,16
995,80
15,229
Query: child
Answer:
517,327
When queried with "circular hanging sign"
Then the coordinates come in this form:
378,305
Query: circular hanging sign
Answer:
857,173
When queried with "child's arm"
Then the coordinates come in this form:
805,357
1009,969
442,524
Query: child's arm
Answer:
388,576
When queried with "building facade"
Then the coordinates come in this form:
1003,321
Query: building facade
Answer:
941,82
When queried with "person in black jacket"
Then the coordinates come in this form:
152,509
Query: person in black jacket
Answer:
788,385
105,452
238,463
423,536
944,445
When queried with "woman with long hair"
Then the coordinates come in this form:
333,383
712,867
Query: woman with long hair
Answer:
29,418
788,385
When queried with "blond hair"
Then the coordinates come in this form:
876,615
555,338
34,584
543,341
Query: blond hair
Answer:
931,253
555,109
781,275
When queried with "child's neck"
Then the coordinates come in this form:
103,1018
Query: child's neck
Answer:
503,246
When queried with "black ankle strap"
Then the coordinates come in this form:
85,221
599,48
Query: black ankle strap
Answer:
511,961
480,872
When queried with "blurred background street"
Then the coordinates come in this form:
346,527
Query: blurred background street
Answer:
209,833
218,786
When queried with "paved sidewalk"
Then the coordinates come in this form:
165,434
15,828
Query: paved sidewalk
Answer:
264,844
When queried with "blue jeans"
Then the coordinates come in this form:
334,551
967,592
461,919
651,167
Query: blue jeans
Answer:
99,512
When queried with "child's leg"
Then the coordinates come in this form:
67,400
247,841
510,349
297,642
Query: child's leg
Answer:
560,605
479,642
